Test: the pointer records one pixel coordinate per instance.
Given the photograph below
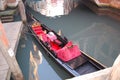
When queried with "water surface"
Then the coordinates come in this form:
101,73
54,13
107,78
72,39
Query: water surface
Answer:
35,63
98,36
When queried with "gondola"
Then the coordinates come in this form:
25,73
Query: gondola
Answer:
78,62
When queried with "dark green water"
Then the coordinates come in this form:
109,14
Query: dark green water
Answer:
98,36
47,70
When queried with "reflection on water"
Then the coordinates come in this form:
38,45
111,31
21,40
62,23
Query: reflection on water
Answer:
35,63
52,8
35,60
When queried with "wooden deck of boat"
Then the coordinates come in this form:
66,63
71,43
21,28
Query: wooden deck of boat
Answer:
111,73
13,32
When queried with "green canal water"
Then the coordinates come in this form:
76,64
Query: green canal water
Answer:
98,36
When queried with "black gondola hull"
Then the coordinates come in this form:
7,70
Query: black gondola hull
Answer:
80,65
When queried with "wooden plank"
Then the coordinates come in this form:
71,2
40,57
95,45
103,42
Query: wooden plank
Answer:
13,33
5,74
8,12
6,20
7,17
4,66
3,77
8,74
2,60
4,69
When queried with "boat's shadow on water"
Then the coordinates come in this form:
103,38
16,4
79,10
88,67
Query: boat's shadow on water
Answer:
23,56
28,57
35,63
57,69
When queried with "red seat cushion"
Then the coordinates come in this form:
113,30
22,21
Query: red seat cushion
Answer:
37,28
54,46
39,32
68,53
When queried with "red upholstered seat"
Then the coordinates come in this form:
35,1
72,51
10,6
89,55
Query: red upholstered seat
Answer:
37,28
68,52
39,32
54,46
